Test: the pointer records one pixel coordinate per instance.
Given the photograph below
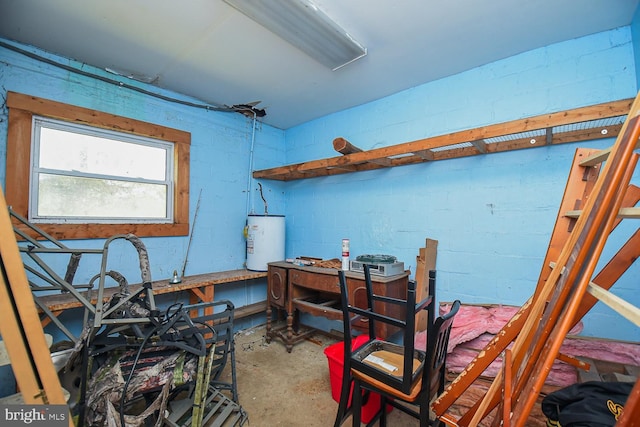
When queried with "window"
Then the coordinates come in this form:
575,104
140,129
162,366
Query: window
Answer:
81,174
77,174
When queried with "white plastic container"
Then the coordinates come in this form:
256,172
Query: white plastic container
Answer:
345,254
265,241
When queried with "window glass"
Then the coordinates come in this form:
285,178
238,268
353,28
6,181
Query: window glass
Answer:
125,175
86,174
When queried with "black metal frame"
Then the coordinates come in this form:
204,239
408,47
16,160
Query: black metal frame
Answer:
131,320
98,314
219,316
431,358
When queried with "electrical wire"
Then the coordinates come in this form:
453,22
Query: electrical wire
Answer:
133,368
119,83
266,208
249,207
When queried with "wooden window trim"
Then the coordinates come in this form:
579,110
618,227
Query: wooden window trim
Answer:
22,108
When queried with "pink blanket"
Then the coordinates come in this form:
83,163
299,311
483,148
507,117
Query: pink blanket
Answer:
474,326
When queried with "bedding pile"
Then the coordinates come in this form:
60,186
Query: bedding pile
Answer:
475,326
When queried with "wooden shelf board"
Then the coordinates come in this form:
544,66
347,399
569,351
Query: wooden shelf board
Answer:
584,123
58,302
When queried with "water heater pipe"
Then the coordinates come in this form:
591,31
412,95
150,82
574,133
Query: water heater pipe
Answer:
250,180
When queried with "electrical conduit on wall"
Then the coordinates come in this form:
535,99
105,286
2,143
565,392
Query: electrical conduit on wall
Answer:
264,233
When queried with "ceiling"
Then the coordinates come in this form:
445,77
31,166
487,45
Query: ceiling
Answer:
210,51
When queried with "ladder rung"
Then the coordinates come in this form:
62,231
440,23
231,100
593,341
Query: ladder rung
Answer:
596,158
599,157
624,308
633,213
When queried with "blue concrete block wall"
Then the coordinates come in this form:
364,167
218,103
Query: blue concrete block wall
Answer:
635,33
492,215
220,151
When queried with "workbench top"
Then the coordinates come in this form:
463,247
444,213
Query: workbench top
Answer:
58,302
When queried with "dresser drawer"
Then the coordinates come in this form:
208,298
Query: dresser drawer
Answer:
319,282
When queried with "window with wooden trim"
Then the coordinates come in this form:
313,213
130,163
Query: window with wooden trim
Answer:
117,175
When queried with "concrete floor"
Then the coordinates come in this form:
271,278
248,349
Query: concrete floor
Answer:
277,388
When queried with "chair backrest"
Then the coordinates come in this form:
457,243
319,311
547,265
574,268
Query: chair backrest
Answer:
406,325
437,347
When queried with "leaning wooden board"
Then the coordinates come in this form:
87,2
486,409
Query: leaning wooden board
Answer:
20,327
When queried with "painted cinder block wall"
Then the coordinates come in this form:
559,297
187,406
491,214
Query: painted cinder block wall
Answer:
635,34
220,153
492,215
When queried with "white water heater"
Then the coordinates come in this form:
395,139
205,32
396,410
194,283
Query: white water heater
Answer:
265,241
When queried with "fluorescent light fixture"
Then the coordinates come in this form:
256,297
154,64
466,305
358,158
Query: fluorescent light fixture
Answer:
305,26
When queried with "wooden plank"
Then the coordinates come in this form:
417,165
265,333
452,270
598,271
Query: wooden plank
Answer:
20,328
19,130
628,213
425,155
425,261
612,271
62,302
475,368
506,394
59,110
580,181
250,309
523,143
600,156
622,307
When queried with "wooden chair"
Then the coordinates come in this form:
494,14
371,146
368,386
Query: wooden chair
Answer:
395,371
430,385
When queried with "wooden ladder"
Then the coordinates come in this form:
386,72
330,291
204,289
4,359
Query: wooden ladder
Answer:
596,199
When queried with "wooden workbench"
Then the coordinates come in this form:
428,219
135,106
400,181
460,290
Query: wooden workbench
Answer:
200,288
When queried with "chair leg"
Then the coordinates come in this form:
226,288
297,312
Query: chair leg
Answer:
424,412
424,416
234,383
383,411
343,409
356,403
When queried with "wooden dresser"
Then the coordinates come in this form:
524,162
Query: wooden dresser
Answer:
294,289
